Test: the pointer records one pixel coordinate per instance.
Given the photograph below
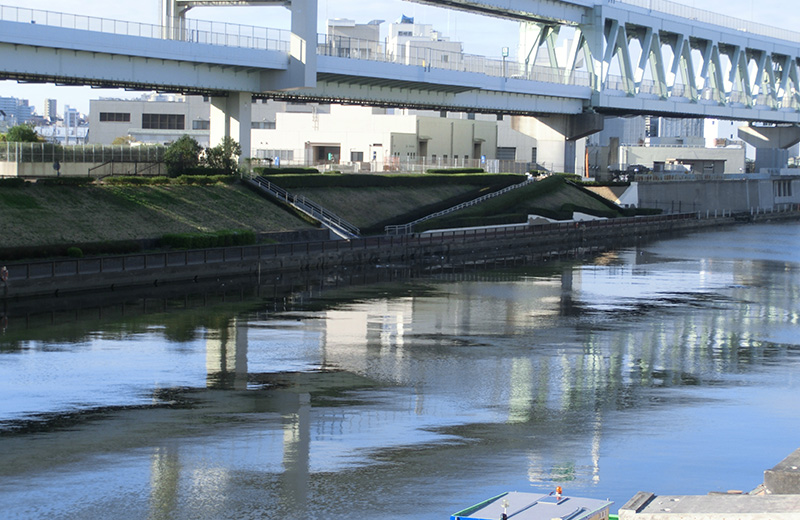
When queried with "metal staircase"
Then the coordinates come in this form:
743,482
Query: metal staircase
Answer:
406,229
336,224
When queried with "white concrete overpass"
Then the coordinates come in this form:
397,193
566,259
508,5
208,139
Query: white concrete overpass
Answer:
626,57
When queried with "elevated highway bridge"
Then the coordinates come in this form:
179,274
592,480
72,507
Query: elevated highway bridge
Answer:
624,57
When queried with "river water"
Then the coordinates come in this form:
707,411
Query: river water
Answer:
671,368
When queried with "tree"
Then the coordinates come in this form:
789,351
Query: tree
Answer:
22,134
123,140
182,155
224,156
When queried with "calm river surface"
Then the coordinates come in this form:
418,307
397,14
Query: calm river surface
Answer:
670,368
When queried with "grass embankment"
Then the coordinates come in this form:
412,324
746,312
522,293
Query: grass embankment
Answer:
37,215
372,202
553,197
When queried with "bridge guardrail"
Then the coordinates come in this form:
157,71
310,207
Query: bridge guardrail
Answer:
424,56
710,17
198,31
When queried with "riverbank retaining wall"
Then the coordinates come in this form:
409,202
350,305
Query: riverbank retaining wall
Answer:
262,263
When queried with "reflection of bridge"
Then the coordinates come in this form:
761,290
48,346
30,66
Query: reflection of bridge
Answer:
624,57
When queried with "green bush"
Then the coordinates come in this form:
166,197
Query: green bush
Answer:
448,171
224,238
205,171
136,180
494,180
65,181
204,180
269,170
74,252
14,182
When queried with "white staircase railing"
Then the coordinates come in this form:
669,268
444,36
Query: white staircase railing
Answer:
406,229
328,219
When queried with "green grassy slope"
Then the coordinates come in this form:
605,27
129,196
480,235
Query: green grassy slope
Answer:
41,215
552,197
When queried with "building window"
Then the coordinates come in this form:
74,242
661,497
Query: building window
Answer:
263,125
506,153
115,117
199,124
533,155
163,121
356,156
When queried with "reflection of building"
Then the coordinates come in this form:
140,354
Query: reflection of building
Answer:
226,356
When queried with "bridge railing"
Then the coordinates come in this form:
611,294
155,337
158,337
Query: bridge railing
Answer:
722,20
420,55
198,31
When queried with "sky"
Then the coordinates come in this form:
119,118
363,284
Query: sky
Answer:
480,34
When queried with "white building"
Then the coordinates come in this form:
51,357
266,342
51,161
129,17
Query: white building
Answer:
419,44
374,139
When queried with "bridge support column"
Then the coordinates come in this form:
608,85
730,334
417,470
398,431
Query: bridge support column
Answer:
771,144
557,137
302,70
231,116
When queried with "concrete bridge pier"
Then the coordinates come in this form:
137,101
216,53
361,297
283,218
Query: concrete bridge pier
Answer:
772,144
557,136
231,116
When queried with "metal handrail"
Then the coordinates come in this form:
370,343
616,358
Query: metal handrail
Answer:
404,229
198,31
309,207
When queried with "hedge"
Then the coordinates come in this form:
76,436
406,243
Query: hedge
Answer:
195,180
447,171
14,182
225,238
268,170
117,247
65,181
399,180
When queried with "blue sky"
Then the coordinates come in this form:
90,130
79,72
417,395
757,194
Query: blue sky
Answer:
481,35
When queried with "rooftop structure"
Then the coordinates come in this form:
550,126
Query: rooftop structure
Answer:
647,506
534,506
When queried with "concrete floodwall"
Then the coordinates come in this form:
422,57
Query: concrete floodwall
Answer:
451,250
702,196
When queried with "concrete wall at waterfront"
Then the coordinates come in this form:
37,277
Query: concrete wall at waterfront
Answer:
730,195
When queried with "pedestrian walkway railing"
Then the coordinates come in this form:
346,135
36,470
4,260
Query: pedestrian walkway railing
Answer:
88,153
327,218
110,168
197,31
405,229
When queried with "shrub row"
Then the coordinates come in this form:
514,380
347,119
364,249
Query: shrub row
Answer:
65,181
118,247
241,237
450,171
14,182
267,170
200,180
400,180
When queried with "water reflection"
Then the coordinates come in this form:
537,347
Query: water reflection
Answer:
636,370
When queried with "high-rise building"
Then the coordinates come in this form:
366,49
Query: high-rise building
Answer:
50,109
17,111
